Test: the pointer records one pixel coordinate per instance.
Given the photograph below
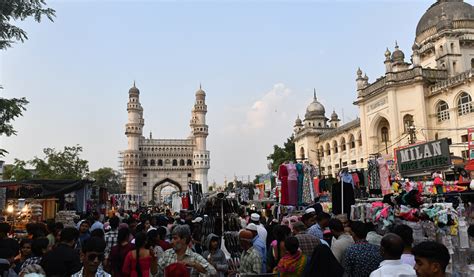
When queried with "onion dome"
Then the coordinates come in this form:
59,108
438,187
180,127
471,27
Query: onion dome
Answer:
334,116
453,10
398,55
200,93
298,121
315,109
134,89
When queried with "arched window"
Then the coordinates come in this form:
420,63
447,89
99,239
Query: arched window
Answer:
189,162
442,111
175,162
407,122
384,132
152,163
181,162
343,144
352,142
321,151
160,162
336,149
302,153
472,63
360,139
464,104
328,149
145,162
319,124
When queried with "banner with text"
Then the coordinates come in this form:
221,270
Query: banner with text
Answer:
424,157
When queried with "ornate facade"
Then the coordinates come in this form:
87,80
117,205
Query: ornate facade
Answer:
152,164
431,97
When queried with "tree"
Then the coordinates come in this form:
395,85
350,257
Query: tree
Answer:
66,164
282,154
9,110
13,10
17,171
108,178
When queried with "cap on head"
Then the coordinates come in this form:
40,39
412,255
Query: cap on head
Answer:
197,220
252,227
310,210
254,217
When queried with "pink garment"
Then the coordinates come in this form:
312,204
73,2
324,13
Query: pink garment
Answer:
384,176
292,184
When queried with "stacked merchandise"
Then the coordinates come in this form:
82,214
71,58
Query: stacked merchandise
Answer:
36,210
232,245
67,218
128,202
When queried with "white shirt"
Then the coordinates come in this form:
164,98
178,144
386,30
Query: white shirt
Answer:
393,268
262,232
339,245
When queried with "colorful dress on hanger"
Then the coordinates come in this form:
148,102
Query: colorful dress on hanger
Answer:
373,174
307,184
299,169
283,177
384,176
292,184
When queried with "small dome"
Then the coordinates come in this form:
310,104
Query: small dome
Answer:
398,55
454,10
315,109
298,121
134,90
387,53
200,92
334,116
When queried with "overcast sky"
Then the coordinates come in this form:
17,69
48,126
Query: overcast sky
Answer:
258,62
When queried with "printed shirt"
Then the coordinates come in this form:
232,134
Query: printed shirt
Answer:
307,243
110,241
30,261
250,262
316,231
361,259
100,273
170,257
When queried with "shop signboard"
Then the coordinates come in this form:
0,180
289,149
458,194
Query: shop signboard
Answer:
424,157
470,141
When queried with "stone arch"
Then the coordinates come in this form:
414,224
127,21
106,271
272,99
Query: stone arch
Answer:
181,162
164,183
380,134
352,143
463,103
343,144
328,149
302,153
335,144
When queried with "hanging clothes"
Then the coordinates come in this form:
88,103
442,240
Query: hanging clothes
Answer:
373,174
283,177
299,169
316,187
185,201
384,174
348,194
307,184
292,184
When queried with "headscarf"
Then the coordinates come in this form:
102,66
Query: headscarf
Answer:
323,263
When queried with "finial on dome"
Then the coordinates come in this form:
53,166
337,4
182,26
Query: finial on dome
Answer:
359,72
396,44
314,92
134,84
387,53
200,87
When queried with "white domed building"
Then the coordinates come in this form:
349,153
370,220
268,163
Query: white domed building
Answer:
432,91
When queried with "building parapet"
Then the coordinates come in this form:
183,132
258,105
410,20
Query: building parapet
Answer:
170,142
451,82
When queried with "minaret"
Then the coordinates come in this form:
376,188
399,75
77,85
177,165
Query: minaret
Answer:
133,131
199,131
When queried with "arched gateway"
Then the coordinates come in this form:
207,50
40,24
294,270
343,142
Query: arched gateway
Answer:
162,184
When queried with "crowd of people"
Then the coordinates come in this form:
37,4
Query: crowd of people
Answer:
146,244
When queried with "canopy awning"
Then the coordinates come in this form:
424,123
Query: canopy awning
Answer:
47,188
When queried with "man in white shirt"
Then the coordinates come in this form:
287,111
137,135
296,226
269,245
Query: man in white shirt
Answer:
340,240
262,232
391,248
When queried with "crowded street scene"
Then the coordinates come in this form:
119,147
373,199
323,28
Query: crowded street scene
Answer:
324,174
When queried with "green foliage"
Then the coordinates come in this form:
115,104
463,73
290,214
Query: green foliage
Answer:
108,178
17,171
13,10
282,154
9,110
61,165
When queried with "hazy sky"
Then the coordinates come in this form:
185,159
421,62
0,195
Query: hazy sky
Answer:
258,62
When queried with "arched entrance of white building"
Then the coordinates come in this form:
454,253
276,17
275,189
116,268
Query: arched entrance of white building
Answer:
163,189
380,135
